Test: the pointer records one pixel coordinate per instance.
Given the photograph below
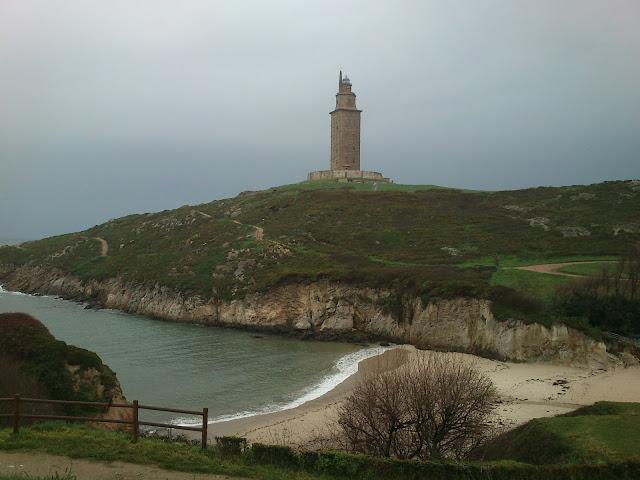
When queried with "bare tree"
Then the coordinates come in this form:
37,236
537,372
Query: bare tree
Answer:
430,408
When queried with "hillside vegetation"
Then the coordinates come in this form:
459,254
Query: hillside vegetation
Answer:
433,241
600,433
34,363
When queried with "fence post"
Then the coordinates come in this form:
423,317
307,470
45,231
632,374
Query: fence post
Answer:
16,413
205,424
136,425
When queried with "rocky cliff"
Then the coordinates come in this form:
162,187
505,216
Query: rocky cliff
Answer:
326,309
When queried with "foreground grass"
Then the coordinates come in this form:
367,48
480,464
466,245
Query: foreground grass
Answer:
80,441
272,462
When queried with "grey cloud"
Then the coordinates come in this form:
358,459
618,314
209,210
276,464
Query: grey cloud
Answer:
116,107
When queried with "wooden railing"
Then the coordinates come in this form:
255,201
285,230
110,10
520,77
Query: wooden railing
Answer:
135,423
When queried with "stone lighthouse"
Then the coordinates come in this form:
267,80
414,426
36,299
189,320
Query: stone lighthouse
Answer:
345,139
345,129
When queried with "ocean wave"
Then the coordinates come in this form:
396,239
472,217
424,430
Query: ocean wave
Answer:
343,369
9,292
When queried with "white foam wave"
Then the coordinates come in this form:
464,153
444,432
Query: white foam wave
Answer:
345,366
3,290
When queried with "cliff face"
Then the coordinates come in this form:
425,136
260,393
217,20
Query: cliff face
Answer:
90,379
331,309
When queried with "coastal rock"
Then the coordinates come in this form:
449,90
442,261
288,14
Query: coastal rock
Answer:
573,231
327,309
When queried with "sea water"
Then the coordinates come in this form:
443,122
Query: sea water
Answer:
233,373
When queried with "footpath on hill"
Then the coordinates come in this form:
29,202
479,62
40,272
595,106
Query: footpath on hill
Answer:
553,268
104,246
40,464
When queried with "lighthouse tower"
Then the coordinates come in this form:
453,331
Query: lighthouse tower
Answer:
345,141
345,129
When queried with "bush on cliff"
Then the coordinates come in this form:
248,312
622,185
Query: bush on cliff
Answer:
33,361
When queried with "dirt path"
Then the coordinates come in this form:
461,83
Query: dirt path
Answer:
104,246
552,268
259,231
40,464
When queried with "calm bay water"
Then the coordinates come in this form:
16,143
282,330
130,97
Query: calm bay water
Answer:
231,372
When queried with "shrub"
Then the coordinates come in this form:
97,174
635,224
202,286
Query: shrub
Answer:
431,409
274,455
26,341
231,445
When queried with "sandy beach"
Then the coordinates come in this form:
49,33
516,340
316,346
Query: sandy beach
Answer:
526,391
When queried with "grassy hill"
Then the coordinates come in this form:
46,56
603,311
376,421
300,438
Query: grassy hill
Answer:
601,433
378,234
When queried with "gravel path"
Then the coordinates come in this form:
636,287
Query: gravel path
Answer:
104,246
552,268
258,231
40,464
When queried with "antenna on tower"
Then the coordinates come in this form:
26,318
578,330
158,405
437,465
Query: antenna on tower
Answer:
340,80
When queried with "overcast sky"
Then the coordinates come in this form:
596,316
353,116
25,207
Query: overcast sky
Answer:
123,106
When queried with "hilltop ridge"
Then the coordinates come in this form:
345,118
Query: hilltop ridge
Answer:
328,256
333,230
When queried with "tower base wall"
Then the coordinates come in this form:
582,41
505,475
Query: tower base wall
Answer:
347,175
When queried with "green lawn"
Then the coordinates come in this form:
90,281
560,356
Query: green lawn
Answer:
539,285
589,269
523,261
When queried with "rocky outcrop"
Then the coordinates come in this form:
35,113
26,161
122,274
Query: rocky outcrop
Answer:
90,379
330,309
35,364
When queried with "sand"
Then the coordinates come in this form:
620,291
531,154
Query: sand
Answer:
526,391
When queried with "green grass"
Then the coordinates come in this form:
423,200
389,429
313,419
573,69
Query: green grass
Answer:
605,432
362,186
589,269
520,261
80,441
272,462
43,360
539,285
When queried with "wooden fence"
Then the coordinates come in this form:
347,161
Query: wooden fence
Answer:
18,402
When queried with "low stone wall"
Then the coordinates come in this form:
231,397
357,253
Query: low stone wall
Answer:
346,174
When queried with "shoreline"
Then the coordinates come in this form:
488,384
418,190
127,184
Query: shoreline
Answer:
313,410
525,391
347,368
